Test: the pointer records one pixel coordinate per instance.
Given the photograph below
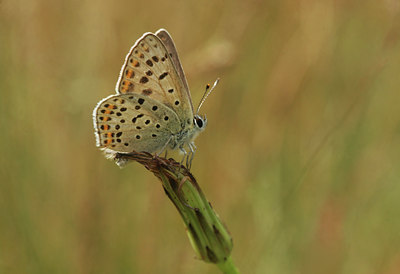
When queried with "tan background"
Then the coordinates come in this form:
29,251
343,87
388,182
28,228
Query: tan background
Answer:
300,158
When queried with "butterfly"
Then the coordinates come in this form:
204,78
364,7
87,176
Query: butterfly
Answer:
152,110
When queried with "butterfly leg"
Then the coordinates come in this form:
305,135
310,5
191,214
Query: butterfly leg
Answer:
185,155
192,148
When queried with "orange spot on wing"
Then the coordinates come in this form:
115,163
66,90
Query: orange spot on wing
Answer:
129,73
126,86
108,141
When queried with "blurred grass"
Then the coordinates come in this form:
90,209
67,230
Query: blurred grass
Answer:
303,136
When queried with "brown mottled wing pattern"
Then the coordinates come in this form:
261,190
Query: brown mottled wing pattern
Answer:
170,45
150,71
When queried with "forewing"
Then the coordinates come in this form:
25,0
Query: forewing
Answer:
170,45
150,71
133,122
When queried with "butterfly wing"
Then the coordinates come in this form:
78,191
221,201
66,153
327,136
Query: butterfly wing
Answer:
133,122
150,71
170,45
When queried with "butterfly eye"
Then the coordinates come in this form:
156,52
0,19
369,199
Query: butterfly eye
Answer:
198,121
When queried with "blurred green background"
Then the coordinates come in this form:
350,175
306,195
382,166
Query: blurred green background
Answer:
300,158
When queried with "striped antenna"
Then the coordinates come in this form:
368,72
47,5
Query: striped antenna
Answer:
206,93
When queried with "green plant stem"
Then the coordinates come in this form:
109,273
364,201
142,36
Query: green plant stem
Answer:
228,267
207,234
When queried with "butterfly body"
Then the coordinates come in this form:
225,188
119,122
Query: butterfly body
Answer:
152,110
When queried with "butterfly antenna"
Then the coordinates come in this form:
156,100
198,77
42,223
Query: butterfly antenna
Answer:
206,93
